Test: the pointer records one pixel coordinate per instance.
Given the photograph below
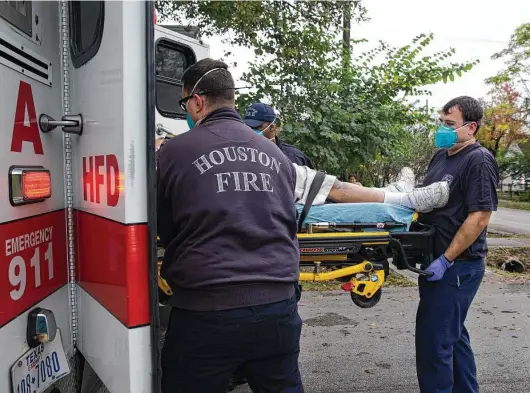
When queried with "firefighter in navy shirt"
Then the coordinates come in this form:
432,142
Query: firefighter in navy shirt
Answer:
228,223
262,119
444,358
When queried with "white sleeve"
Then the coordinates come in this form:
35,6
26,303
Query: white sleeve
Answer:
304,178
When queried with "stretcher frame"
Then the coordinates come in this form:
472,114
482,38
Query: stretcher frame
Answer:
359,254
354,253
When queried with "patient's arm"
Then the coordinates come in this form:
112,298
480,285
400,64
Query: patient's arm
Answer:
333,189
422,200
343,192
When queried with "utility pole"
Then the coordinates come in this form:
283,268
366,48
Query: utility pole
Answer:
346,48
346,34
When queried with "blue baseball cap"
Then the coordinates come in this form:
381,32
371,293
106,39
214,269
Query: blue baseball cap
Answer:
258,114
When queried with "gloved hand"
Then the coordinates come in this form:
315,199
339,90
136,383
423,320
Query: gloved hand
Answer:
438,267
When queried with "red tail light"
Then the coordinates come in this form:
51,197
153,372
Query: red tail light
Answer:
36,185
29,185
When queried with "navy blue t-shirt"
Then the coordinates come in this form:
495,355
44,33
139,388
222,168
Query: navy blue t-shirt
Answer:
294,154
473,176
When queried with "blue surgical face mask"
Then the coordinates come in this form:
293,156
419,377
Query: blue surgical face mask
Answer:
190,121
445,137
260,132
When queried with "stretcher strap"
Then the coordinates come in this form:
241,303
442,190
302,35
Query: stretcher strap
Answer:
311,195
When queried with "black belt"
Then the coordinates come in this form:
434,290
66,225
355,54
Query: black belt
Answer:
465,255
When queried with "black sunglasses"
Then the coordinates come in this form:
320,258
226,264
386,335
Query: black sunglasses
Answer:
182,103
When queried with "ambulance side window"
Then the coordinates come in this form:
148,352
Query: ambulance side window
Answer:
19,14
171,60
86,30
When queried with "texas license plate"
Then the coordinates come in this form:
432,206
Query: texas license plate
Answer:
40,367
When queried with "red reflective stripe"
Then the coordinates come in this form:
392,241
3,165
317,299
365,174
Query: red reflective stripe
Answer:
26,259
112,266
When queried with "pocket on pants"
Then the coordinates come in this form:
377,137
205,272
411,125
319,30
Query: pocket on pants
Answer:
289,331
464,275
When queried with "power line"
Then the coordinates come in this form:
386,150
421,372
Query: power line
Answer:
444,37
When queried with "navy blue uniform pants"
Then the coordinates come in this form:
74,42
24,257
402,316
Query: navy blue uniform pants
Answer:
239,375
444,359
202,350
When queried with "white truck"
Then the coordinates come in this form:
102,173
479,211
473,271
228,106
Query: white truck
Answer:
84,85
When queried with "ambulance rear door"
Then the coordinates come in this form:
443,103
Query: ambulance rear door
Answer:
108,77
33,236
175,52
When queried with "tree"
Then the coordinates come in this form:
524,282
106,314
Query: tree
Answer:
504,119
515,165
340,107
517,62
413,148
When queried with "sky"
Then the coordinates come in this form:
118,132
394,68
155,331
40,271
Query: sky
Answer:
475,28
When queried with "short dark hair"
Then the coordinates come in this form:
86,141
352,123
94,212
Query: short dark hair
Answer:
471,109
218,85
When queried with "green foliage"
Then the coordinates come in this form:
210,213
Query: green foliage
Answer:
517,63
525,196
515,165
412,147
342,107
504,119
506,115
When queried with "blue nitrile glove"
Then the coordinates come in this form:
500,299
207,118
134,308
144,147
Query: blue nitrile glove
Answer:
438,267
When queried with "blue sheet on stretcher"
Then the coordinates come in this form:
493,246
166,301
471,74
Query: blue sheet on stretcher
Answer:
359,213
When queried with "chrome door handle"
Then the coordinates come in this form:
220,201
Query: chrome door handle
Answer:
161,130
71,124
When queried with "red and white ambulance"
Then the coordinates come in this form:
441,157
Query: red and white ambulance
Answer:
83,86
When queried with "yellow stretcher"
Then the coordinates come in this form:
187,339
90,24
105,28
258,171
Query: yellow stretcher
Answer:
356,253
352,253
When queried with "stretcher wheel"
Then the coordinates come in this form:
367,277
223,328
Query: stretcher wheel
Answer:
364,302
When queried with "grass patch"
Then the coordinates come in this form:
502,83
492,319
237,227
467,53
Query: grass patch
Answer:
393,280
498,255
397,280
524,277
321,286
514,204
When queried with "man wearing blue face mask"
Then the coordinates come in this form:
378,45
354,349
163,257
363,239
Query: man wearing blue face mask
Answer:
444,359
263,120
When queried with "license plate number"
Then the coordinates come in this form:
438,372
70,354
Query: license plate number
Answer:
40,367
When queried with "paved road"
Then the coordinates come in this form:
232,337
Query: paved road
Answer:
511,220
347,349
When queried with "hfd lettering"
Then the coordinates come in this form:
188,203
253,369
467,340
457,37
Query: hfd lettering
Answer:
93,178
21,131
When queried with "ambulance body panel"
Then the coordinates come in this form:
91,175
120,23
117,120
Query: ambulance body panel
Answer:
85,253
110,200
34,269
